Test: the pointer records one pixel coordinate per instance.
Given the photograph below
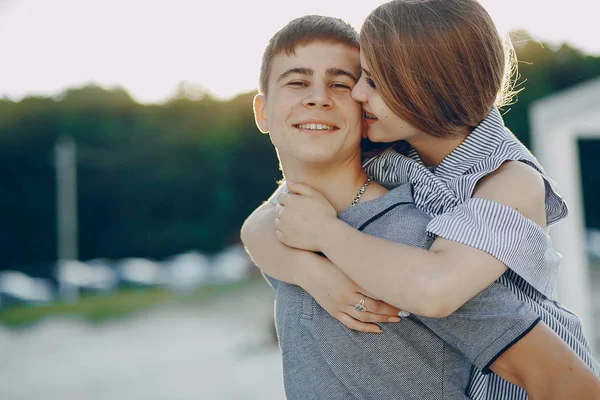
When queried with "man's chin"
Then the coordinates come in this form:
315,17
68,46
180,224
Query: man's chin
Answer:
311,157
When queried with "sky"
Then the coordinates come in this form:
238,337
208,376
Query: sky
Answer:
149,46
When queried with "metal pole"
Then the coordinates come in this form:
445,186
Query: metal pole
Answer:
66,207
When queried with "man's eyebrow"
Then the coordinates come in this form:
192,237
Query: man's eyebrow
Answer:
300,71
341,72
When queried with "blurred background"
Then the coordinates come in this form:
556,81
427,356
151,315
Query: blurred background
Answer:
129,159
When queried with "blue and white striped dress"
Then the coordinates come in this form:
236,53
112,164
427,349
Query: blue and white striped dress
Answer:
523,246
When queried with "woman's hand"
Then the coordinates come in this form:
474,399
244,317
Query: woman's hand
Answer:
329,286
339,295
301,216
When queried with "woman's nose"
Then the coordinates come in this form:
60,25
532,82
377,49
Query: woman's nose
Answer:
358,92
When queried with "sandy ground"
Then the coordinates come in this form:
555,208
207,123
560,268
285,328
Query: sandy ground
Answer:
221,350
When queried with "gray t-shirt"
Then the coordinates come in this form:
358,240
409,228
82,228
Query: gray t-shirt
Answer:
416,358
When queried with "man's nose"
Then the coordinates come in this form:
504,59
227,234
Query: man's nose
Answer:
318,97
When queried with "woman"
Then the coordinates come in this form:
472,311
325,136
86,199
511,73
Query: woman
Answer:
432,72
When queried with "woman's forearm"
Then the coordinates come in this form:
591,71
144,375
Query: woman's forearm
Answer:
258,236
382,267
424,282
326,283
272,257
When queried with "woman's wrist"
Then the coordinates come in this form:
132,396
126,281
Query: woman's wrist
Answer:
332,233
306,275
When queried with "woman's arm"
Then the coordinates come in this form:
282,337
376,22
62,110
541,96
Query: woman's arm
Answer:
497,332
432,282
327,284
538,354
272,258
531,360
547,368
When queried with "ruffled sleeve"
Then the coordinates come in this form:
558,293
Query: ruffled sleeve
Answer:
518,242
556,208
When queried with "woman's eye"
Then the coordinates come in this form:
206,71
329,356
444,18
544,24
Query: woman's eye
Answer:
370,82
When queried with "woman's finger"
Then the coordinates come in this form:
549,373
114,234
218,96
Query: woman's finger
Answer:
358,325
279,209
366,316
378,307
282,198
299,188
280,236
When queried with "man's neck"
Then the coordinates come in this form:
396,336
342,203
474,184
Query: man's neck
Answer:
338,183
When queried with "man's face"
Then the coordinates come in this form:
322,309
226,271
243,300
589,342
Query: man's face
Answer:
308,111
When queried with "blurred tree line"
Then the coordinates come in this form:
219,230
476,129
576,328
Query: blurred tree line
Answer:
157,180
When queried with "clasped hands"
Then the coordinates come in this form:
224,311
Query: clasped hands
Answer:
302,220
302,216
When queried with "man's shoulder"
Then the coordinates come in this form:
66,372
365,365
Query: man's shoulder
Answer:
375,208
402,215
397,218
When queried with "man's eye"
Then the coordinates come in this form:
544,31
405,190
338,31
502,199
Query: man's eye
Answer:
340,86
297,83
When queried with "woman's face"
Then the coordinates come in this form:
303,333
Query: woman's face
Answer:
381,124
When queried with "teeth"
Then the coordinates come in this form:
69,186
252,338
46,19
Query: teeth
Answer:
369,116
315,127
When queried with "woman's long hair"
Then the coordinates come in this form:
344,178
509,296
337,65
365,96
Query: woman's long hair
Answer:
439,64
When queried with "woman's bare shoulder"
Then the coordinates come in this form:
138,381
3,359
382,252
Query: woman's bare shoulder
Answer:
516,185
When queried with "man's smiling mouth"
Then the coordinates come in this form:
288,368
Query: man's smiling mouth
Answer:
316,127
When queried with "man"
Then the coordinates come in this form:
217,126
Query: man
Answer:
307,74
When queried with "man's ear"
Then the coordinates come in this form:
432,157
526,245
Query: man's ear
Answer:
260,115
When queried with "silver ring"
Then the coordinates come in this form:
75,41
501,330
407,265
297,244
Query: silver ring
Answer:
360,306
403,314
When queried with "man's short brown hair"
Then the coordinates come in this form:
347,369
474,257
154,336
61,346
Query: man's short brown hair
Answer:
303,31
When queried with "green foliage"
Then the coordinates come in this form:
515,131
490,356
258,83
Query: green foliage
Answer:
153,180
156,180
